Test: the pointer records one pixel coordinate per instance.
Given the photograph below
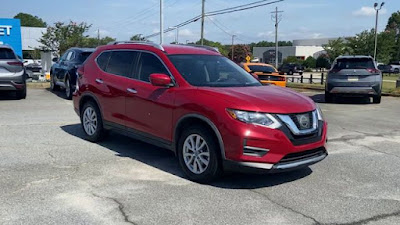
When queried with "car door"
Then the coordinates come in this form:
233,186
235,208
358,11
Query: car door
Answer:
149,108
112,83
57,67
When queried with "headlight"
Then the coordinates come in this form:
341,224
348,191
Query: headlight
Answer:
319,114
263,119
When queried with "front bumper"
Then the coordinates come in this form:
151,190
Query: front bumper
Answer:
303,159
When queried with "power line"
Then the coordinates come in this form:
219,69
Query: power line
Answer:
218,12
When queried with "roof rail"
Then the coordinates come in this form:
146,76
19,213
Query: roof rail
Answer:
214,49
149,43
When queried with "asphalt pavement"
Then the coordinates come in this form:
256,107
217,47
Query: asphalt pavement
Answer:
50,175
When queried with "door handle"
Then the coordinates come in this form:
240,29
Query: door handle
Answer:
99,81
131,90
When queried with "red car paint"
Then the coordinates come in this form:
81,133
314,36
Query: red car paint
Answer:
157,110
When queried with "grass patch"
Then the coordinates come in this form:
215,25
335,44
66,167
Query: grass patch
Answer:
38,85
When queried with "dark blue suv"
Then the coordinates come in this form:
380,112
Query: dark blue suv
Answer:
63,72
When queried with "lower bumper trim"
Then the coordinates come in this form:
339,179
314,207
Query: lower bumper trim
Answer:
353,90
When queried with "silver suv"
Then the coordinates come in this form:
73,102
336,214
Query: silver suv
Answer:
12,72
354,76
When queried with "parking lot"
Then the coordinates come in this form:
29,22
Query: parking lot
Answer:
50,175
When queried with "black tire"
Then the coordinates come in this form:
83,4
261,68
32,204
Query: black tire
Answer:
213,170
376,99
99,132
68,88
21,94
53,85
396,71
328,97
301,73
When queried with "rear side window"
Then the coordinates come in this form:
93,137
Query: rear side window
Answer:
6,53
83,56
264,69
149,64
120,63
354,63
102,60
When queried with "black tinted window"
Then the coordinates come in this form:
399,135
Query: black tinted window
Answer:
120,62
354,63
6,53
149,64
102,60
264,69
83,56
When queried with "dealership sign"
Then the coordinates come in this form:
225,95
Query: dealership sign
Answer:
10,34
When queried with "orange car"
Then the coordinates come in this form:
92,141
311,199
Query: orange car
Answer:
267,74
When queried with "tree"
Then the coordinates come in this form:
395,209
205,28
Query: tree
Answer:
239,53
91,42
322,62
310,62
138,37
223,49
61,36
393,21
28,20
269,44
292,59
335,48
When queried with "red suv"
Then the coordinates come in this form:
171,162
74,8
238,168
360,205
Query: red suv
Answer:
200,105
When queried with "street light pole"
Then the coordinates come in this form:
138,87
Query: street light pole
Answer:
376,25
233,37
202,23
277,18
161,23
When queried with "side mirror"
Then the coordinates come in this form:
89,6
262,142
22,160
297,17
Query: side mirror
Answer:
55,60
159,79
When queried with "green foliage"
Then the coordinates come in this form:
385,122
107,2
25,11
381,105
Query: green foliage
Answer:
322,62
28,20
223,49
310,62
239,53
269,44
335,48
393,21
91,42
292,59
61,36
137,37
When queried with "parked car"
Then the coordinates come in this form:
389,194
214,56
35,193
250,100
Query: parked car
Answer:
12,72
192,100
395,66
386,68
291,68
33,70
354,76
63,72
265,73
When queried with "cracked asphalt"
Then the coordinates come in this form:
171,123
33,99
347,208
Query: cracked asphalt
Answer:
50,175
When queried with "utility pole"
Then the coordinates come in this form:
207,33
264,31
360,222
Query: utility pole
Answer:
277,18
161,23
98,37
176,33
376,26
202,22
233,37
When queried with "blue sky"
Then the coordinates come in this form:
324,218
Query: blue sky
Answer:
123,18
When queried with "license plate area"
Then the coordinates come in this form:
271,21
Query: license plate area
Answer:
352,78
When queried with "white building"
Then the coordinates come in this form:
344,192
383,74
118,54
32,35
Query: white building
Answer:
302,49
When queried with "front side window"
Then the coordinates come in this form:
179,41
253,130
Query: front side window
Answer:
149,64
354,63
212,71
120,62
263,69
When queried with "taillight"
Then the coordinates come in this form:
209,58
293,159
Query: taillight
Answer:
372,70
15,63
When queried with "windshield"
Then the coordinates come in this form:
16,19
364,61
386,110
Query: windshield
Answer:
212,71
263,69
355,63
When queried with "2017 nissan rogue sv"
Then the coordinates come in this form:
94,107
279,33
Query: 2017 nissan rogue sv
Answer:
199,104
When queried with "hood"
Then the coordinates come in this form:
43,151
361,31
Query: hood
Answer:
270,99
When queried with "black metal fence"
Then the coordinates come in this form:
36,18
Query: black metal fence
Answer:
308,79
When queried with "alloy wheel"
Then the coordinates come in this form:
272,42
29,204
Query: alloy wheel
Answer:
196,153
89,121
67,88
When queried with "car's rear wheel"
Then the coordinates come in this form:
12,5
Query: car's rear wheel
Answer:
198,154
21,94
396,71
92,123
68,88
376,99
328,97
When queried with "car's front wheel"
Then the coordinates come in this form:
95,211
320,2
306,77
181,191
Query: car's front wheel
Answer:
92,123
68,88
198,156
53,85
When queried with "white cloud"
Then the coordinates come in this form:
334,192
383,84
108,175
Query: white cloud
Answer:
266,34
367,11
185,33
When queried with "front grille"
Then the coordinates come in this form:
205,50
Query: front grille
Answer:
303,155
295,118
